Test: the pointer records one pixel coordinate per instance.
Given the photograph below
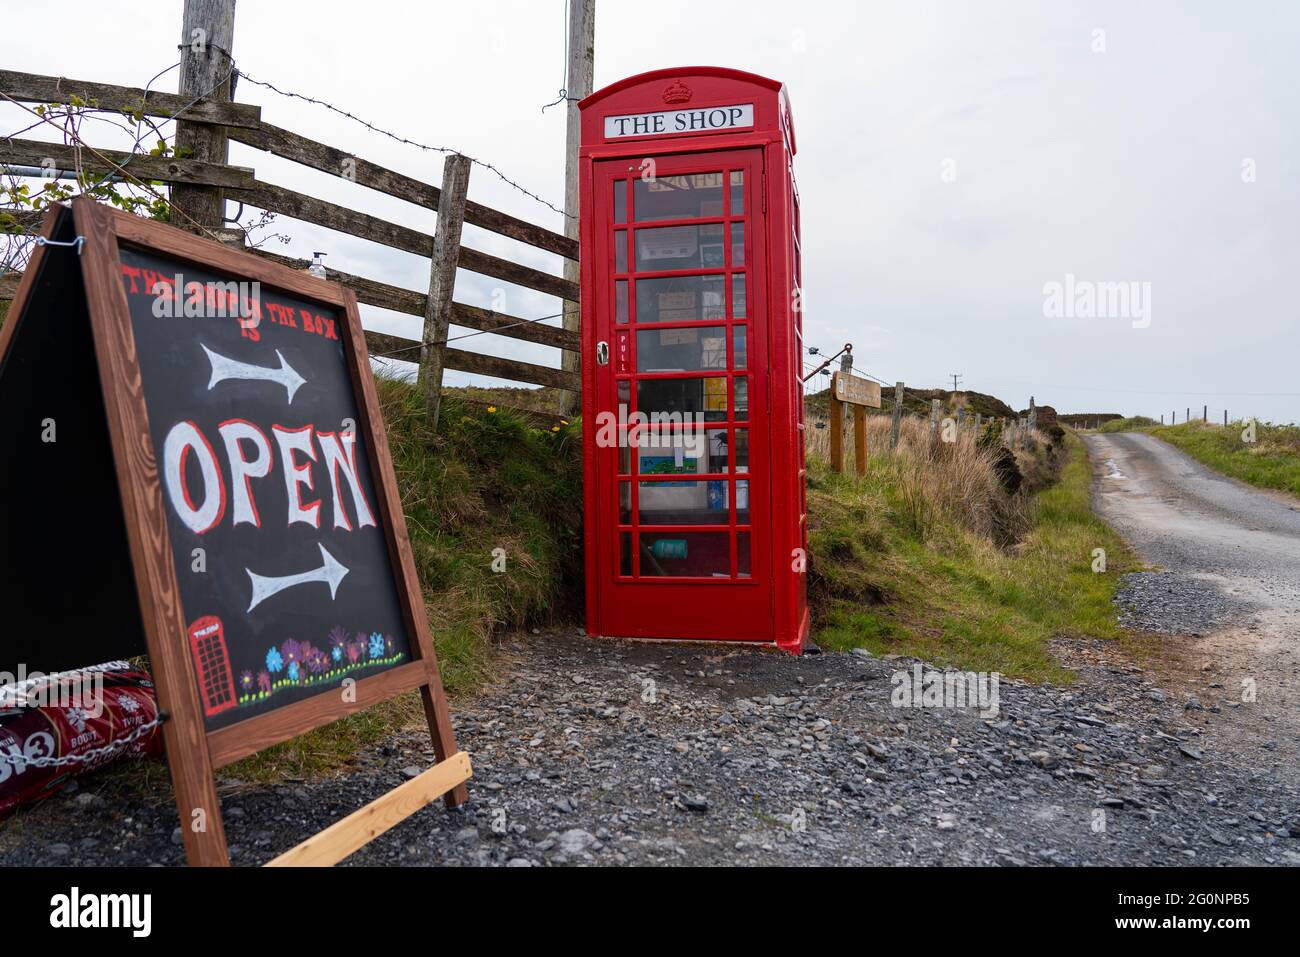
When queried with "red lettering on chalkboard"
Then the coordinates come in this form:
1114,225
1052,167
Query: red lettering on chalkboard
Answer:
183,439
335,459
291,441
132,273
234,431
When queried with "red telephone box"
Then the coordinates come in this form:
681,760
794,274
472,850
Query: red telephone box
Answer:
692,346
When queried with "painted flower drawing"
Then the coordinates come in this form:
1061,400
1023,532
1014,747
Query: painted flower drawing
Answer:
291,651
297,664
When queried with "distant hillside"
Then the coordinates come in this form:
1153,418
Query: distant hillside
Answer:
917,402
1089,420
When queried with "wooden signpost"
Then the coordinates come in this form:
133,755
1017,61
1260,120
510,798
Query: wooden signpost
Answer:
854,390
200,461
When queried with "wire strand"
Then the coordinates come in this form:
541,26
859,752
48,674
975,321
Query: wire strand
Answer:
405,140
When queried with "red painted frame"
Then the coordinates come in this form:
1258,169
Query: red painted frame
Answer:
775,597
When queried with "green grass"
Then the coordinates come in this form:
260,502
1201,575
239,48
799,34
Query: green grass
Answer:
1131,424
1271,461
951,596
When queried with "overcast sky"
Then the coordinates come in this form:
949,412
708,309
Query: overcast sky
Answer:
955,159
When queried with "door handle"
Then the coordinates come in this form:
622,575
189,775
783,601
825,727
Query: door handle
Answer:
602,353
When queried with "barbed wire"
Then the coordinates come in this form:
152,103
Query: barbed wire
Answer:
397,137
121,168
470,335
78,142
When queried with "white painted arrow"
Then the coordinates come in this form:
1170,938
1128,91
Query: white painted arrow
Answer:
331,572
224,368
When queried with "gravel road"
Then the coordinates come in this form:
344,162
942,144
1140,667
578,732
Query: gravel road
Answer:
610,753
605,752
1225,577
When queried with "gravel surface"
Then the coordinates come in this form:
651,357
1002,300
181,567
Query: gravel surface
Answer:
609,752
1227,587
1233,548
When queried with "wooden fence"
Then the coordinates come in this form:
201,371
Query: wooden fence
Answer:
243,123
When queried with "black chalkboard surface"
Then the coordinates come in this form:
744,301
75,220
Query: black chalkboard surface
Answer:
202,466
276,537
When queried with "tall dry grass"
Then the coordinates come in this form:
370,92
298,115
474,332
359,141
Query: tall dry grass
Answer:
931,479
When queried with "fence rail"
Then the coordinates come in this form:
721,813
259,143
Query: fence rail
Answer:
243,124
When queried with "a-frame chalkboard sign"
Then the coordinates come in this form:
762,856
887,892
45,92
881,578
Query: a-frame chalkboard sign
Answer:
195,466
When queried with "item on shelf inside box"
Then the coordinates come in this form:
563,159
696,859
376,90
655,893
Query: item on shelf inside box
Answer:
656,244
715,306
715,395
717,495
665,465
713,352
669,548
683,299
677,337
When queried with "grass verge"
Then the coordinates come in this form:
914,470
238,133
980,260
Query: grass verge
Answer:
944,590
1270,460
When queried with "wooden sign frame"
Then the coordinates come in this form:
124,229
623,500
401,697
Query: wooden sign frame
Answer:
861,394
193,752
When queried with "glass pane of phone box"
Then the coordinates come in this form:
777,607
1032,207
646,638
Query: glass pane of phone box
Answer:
685,554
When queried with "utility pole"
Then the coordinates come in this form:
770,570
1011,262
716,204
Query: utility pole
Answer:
955,377
207,39
578,83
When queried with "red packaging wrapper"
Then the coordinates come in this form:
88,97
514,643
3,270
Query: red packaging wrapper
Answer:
72,713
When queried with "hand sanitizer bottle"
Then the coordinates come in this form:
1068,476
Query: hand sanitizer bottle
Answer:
317,268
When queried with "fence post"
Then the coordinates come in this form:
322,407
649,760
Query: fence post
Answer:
1205,413
207,39
442,279
979,422
1225,418
898,415
860,439
934,414
837,432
